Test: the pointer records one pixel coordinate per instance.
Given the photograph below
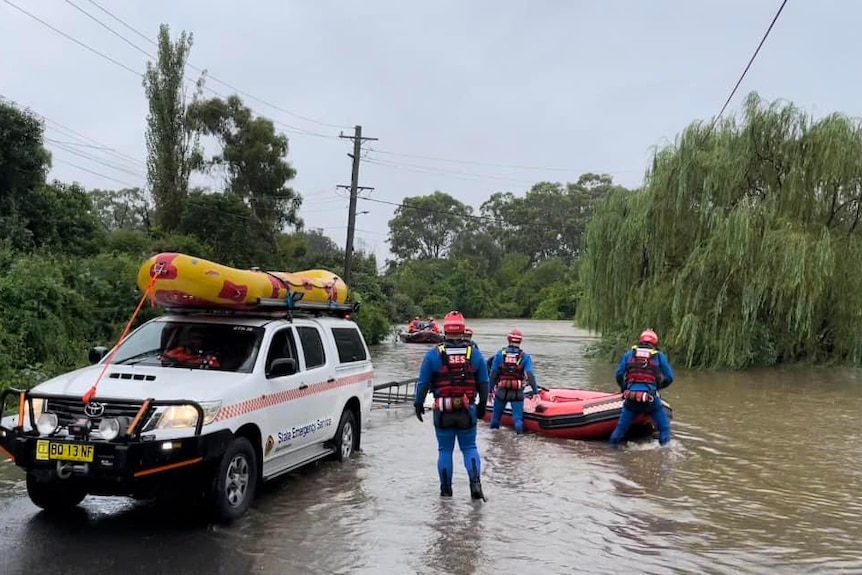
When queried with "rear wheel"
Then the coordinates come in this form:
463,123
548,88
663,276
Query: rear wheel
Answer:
235,481
53,494
346,437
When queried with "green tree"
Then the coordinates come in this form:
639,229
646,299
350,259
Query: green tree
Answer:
318,250
61,217
477,244
224,223
426,226
173,149
253,157
24,162
549,221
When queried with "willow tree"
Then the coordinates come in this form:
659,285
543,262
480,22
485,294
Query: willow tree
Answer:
742,248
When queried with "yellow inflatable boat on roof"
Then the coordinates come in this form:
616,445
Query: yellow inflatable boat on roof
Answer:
184,281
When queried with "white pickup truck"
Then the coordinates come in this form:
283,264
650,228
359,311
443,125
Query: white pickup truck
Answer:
209,402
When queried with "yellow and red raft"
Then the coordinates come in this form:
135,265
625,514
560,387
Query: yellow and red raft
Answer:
184,281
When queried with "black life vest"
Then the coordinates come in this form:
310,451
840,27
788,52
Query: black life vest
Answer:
512,373
454,386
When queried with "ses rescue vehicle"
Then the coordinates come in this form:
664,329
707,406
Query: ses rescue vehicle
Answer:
274,390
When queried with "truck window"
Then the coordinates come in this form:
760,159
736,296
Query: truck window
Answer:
283,345
349,343
188,344
312,347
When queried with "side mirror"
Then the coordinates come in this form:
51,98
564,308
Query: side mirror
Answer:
282,366
97,353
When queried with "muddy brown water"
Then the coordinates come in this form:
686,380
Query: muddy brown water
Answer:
763,476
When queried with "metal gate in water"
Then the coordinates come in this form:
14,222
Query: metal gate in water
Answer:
395,393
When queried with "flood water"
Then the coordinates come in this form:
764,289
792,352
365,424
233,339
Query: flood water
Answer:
763,476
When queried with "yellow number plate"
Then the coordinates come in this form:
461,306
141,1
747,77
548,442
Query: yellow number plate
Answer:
47,450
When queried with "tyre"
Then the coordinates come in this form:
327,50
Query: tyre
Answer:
235,481
53,494
346,439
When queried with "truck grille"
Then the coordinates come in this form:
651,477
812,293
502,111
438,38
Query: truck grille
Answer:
72,409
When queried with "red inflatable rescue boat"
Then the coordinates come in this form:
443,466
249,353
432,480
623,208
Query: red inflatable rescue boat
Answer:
421,336
576,414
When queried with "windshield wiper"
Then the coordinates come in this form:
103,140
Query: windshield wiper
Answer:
138,356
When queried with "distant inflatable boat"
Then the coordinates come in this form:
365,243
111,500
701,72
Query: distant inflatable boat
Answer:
576,414
422,336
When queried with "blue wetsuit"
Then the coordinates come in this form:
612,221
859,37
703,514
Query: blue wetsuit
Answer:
459,423
514,396
641,386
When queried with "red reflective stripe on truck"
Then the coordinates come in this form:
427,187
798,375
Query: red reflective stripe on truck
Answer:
266,401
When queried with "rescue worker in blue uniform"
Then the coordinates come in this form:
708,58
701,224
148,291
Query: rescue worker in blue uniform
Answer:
456,374
511,370
641,373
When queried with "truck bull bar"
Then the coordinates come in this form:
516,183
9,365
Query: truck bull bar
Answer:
25,408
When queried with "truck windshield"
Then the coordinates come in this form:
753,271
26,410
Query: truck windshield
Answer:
192,345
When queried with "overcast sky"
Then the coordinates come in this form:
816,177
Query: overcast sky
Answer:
570,85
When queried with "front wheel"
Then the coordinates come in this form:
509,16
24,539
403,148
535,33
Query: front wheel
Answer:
235,481
346,439
53,494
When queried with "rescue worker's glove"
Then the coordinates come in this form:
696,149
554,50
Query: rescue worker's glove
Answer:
420,409
480,410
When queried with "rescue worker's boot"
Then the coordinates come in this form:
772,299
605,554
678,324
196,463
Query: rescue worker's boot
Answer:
445,485
476,490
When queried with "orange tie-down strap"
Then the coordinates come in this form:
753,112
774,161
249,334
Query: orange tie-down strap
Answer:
168,467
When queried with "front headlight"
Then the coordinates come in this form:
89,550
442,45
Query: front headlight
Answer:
109,428
182,416
47,423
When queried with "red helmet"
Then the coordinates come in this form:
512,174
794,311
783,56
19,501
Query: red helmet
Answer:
648,336
453,322
515,336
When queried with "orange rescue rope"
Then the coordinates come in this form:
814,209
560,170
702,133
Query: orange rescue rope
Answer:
157,270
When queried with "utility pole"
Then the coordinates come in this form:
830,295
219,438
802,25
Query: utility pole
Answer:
354,188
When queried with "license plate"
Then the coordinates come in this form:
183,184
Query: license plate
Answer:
48,450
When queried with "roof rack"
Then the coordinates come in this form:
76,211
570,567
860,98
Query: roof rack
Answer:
287,307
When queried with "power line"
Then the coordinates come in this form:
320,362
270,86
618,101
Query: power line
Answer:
190,80
222,82
69,132
93,146
68,37
560,169
318,199
100,161
750,62
74,165
288,127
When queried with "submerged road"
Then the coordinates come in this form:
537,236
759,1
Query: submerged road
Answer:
763,476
